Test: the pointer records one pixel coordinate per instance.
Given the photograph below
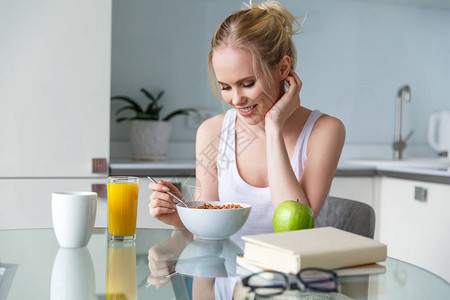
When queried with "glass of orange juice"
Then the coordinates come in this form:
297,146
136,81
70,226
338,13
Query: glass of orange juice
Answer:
122,207
121,271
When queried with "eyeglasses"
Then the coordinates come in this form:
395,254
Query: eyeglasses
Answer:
270,283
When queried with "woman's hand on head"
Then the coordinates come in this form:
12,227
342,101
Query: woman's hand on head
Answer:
288,103
162,205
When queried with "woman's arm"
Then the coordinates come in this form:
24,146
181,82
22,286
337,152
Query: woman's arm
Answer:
206,150
324,149
161,205
282,181
323,152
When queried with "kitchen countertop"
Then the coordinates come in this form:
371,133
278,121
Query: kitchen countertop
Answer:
349,169
346,168
178,167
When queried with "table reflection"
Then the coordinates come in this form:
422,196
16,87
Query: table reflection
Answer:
121,271
206,268
207,258
73,275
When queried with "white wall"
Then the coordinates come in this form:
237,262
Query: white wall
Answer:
161,45
353,57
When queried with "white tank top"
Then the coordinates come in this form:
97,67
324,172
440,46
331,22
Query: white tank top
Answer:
232,188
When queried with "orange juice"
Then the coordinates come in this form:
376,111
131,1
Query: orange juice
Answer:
122,208
121,273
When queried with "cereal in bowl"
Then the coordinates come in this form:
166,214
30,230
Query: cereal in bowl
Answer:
210,206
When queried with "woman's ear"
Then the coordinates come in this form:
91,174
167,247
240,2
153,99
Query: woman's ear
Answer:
285,67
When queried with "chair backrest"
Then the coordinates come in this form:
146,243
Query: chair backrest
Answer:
349,215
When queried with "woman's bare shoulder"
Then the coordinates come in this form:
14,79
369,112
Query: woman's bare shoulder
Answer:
328,121
210,129
207,144
328,127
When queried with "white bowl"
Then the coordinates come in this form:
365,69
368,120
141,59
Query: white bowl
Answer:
213,224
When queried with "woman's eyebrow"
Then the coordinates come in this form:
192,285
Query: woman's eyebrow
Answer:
240,80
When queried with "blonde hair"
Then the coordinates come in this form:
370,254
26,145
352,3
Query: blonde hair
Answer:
265,30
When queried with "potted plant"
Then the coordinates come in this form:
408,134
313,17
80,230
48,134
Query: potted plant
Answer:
149,133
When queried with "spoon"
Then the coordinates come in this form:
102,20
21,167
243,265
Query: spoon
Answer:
168,192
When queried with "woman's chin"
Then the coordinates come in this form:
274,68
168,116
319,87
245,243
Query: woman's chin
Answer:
252,120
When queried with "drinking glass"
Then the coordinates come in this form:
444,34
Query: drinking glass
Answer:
122,207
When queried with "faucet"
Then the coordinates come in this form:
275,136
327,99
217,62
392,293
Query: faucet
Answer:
400,144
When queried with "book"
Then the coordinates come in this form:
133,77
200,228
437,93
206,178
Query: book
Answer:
249,267
326,247
369,269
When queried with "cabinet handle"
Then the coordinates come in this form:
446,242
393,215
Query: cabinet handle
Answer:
100,189
420,194
99,165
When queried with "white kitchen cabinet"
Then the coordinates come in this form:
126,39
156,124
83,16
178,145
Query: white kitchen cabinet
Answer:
355,188
144,220
55,59
416,231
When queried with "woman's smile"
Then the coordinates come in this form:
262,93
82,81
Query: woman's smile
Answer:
247,111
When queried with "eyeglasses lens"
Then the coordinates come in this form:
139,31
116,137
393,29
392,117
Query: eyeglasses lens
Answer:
267,283
318,280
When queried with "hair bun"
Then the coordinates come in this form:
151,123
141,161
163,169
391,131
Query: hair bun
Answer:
281,15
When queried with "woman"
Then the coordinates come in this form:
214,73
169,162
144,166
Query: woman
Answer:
267,148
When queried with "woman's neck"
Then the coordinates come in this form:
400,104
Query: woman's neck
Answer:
259,130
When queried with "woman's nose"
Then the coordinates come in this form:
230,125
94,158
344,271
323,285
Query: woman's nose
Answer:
238,98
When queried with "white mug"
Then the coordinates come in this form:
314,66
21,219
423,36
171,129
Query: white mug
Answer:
73,215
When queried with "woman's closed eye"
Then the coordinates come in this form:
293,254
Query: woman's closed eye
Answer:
245,85
250,84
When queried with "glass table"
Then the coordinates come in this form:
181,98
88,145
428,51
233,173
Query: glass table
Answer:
168,264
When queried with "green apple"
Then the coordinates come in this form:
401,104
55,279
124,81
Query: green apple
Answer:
292,215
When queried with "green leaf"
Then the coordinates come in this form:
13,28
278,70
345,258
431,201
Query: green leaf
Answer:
160,95
152,108
126,108
149,95
152,111
144,116
130,101
184,111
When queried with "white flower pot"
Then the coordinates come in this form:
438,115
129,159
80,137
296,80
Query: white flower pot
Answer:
149,139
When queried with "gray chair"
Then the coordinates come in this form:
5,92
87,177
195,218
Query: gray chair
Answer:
349,215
